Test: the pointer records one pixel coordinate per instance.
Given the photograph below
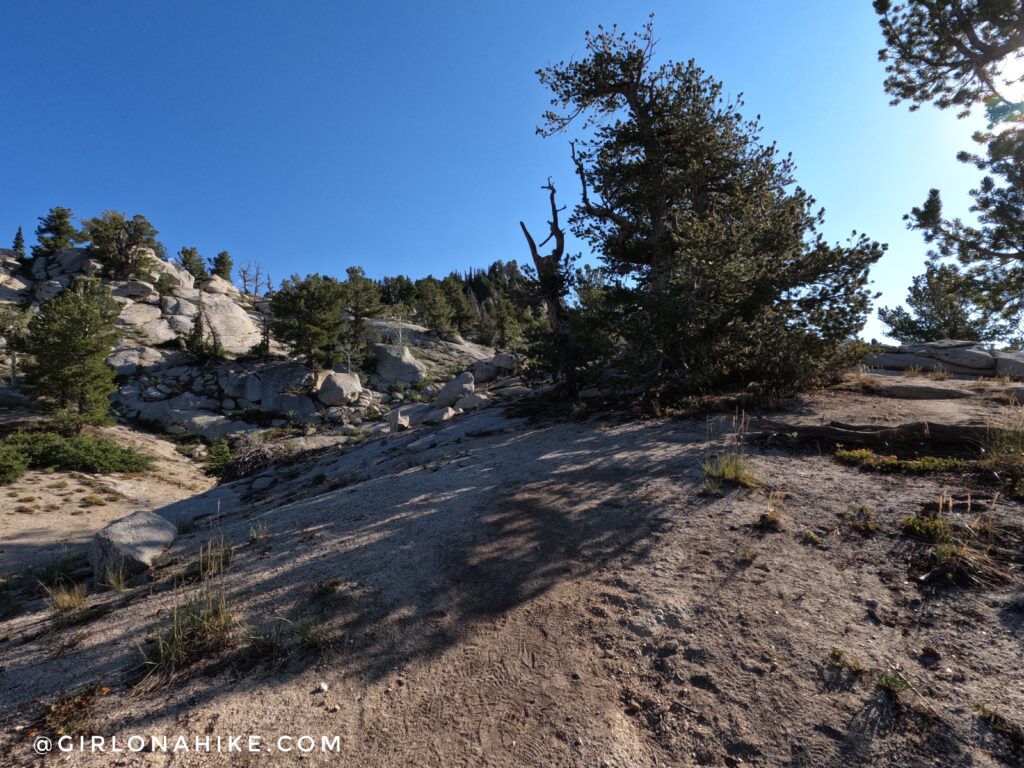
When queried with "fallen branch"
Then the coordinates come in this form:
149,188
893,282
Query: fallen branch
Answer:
871,434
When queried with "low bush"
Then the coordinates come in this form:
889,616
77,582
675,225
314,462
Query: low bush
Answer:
81,453
865,458
12,464
218,458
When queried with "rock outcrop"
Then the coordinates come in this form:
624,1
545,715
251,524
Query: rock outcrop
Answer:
968,358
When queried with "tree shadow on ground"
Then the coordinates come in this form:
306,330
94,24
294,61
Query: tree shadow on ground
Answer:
429,557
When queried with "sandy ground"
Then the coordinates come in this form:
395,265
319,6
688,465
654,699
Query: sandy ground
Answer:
497,594
46,515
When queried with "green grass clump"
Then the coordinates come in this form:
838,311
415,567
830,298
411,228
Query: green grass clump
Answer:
214,557
65,598
52,451
892,683
200,628
865,458
935,529
730,469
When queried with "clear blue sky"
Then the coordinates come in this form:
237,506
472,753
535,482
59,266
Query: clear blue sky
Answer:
310,136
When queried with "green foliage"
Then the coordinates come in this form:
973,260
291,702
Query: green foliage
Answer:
202,627
18,246
935,529
431,305
79,453
218,458
951,54
464,318
945,306
721,277
122,244
12,464
956,55
69,340
731,469
306,314
55,233
192,262
13,326
362,296
199,342
865,458
221,265
165,284
397,290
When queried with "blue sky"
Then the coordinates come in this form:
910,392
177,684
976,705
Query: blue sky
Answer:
310,136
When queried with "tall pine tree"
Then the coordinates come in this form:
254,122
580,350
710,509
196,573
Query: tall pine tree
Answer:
68,342
18,247
55,233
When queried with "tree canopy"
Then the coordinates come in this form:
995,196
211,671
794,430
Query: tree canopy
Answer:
307,315
55,233
719,268
68,341
123,245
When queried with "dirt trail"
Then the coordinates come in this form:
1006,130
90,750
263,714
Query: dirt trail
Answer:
570,595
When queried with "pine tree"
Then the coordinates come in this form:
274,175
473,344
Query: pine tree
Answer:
123,245
221,265
306,314
944,306
55,233
431,305
362,296
68,342
18,246
13,325
191,261
724,279
958,54
463,317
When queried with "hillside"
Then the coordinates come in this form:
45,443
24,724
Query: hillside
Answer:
501,591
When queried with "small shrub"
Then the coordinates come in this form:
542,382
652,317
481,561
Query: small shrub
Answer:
863,522
165,284
218,458
199,628
81,453
865,458
892,683
92,500
12,464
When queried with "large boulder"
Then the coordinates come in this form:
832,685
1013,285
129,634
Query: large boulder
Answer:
47,289
339,389
396,365
472,402
230,325
484,371
217,284
177,277
1010,364
131,544
455,389
285,388
136,290
139,314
